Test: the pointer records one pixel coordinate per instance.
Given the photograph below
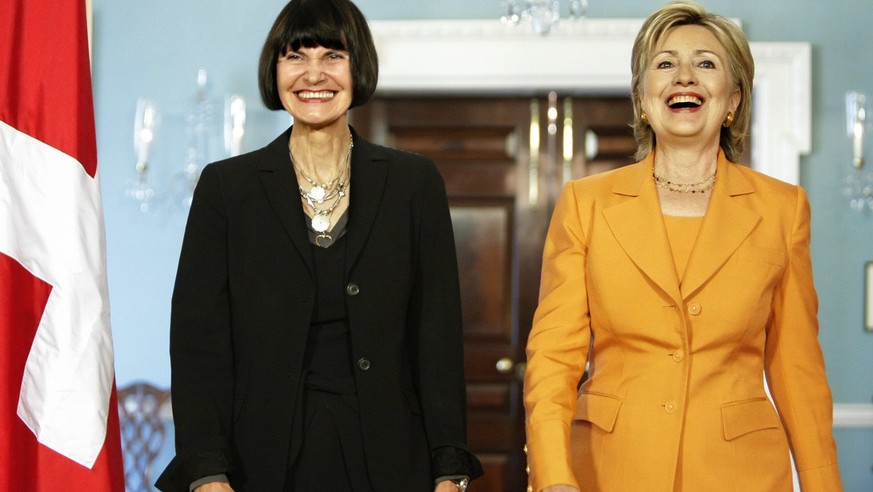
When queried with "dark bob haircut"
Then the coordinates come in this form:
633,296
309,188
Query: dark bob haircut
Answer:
332,24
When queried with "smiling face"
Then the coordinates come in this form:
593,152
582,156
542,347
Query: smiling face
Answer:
315,85
686,89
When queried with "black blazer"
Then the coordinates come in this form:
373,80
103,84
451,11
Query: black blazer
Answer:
244,298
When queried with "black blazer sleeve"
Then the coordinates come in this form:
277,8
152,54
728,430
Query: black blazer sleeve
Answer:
200,343
435,319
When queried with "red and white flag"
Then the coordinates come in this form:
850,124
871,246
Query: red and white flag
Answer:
58,412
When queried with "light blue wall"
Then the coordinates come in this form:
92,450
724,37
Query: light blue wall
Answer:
154,49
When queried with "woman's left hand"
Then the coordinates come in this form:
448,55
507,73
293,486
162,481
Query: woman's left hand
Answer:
446,486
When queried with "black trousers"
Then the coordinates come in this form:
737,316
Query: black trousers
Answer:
331,456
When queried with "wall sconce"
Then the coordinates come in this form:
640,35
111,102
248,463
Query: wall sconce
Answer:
144,131
859,184
234,124
198,132
856,118
201,133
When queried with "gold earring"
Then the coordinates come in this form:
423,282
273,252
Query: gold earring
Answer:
729,120
644,118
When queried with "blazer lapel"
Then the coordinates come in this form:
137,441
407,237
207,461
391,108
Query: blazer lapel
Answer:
369,174
280,184
638,226
726,225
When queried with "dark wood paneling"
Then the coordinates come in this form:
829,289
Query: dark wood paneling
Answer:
481,145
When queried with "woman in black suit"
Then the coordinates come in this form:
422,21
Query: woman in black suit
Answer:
316,328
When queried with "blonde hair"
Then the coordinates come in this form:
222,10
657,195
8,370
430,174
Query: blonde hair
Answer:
741,67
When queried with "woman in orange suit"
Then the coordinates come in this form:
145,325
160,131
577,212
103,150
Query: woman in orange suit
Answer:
683,281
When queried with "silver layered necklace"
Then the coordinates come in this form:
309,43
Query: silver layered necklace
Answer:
323,198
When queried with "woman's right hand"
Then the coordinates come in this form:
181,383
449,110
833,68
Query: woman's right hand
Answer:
560,488
214,487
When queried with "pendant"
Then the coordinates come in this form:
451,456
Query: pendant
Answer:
317,193
323,240
320,223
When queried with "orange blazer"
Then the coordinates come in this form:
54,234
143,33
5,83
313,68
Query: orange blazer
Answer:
676,397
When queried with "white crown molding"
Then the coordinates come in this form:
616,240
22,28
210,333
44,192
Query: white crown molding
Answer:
588,57
488,56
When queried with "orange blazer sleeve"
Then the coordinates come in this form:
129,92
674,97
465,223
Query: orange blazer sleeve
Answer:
561,328
795,366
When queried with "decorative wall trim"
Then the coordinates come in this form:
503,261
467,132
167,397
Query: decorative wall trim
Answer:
782,113
853,415
589,57
846,415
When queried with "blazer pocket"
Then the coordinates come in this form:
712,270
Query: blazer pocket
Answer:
772,256
742,417
598,408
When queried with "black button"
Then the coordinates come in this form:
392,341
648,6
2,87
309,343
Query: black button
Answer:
363,364
352,289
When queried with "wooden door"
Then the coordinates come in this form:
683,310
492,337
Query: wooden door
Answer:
504,160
